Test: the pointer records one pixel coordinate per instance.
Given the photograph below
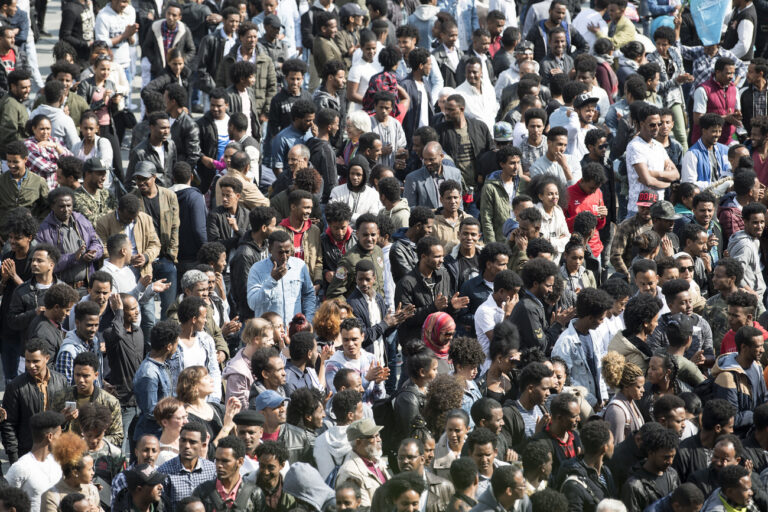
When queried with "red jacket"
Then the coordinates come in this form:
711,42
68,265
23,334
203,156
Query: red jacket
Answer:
579,202
729,340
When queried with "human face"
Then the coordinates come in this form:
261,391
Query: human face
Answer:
549,196
449,37
644,213
87,327
365,281
587,113
231,23
303,210
662,45
281,252
496,421
433,160
725,76
755,225
84,377
754,348
368,236
227,465
41,263
743,494
650,127
382,110
35,363
656,372
346,500
682,303
409,458
190,445
177,66
131,310
339,80
249,40
270,6
661,460
293,82
269,471
250,435
704,213
455,433
275,376
88,128
635,391
85,474
102,69
177,420
408,502
20,90
559,376
721,280
453,112
42,130
276,415
545,287
484,455
574,260
724,454
351,342
559,145
738,317
161,130
451,201
511,167
468,236
698,245
356,176
100,292
406,44
147,450
434,259
369,51
20,243
557,43
540,392
474,74
62,208
93,439
172,17
647,282
219,109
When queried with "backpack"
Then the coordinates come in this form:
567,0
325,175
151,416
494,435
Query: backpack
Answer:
330,480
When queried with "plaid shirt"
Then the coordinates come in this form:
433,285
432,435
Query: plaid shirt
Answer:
65,363
385,81
704,65
759,102
531,153
118,484
181,482
42,160
168,35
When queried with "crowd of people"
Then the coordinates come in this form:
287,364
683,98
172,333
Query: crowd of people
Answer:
384,255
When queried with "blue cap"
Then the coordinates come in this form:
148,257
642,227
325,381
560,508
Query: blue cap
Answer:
269,398
502,132
509,226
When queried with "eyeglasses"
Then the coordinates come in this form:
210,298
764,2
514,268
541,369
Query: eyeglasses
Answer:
687,269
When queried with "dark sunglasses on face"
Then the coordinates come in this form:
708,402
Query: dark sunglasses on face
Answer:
687,269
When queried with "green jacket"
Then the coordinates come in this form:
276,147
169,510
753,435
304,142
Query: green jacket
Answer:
13,120
75,103
33,194
169,221
495,209
94,206
517,258
343,283
114,432
265,86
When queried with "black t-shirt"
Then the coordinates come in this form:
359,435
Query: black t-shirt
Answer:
152,207
468,268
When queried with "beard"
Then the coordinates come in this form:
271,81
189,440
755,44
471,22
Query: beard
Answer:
374,452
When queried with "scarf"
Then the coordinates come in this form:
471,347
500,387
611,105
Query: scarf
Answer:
430,333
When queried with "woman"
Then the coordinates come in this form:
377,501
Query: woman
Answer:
196,347
683,195
356,193
546,188
193,388
44,149
444,393
622,413
237,374
102,95
436,333
404,491
91,145
451,442
409,402
661,379
117,76
648,245
358,123
69,451
576,276
171,415
279,335
467,356
504,352
562,384
175,72
386,81
641,316
327,322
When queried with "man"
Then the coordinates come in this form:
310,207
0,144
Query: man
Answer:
365,462
47,325
62,126
272,459
498,193
556,161
332,446
535,385
414,289
144,489
479,97
720,85
410,457
253,247
579,123
557,59
756,442
322,151
158,149
402,255
622,252
237,128
27,395
393,141
273,406
212,48
419,86
747,189
586,196
343,280
538,34
19,186
505,492
738,378
735,487
655,478
229,490
576,343
694,242
185,472
239,168
529,313
493,259
449,216
14,115
300,370
67,74
422,186
92,200
481,43
152,381
704,205
229,220
305,235
163,35
116,25
586,480
81,339
744,246
163,207
184,131
212,127
498,306
561,432
648,165
73,235
462,261
86,372
707,160
37,471
371,374
726,278
265,291
753,98
463,139
302,118
249,429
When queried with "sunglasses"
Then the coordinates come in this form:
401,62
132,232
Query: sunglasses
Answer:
687,269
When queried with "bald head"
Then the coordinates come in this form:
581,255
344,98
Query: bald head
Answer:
433,149
298,158
527,66
432,156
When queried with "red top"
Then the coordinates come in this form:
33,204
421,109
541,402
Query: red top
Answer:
270,437
579,202
9,60
228,497
761,167
298,235
729,340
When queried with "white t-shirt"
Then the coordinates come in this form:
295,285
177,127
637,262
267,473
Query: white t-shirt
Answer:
246,100
222,130
487,316
109,25
161,154
194,355
361,74
34,477
584,19
519,133
653,155
424,113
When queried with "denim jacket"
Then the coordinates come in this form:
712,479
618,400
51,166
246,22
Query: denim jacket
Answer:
669,89
465,14
151,383
294,293
568,346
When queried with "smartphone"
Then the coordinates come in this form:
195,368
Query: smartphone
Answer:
70,405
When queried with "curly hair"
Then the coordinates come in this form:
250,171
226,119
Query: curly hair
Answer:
298,323
618,373
166,408
466,351
303,403
19,221
189,380
444,394
94,417
69,450
328,317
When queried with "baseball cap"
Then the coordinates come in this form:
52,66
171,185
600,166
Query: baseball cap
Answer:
583,99
502,132
647,198
143,474
361,428
145,169
680,324
94,165
249,418
664,210
270,20
350,9
269,399
524,47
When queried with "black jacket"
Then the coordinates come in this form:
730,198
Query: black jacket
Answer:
754,452
209,146
402,255
641,490
360,309
125,352
152,44
581,485
748,105
332,254
161,82
451,264
412,289
26,298
145,151
625,456
71,29
408,404
535,330
186,136
209,54
322,156
441,57
411,119
479,137
540,47
297,442
559,456
309,28
691,457
246,254
42,328
219,229
280,111
250,498
236,105
22,399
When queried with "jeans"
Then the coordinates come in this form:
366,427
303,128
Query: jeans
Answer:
11,357
163,268
129,412
390,347
147,317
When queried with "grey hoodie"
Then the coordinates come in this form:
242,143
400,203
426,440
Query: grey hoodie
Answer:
330,449
715,504
746,249
62,126
304,483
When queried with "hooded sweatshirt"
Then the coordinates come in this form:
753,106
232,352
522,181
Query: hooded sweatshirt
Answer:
423,18
305,484
330,449
399,214
745,389
718,503
746,249
363,201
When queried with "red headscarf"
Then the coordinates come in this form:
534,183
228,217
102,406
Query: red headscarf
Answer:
430,333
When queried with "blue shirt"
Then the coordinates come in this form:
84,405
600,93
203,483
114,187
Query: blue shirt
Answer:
294,293
282,143
295,379
586,342
151,383
181,482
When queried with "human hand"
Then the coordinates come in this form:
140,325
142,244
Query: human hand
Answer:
213,19
233,407
602,211
39,309
386,150
593,27
231,327
563,316
441,302
278,271
89,256
160,285
707,259
698,358
509,305
712,241
521,241
130,30
684,78
70,414
543,422
326,353
138,260
221,356
459,302
115,302
233,224
511,455
666,247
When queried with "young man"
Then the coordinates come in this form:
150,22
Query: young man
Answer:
395,207
707,160
656,478
462,261
343,283
190,468
717,418
535,385
757,81
403,254
322,151
478,93
295,439
229,485
252,248
330,94
305,234
586,196
534,145
214,135
390,130
561,431
422,186
272,458
92,200
450,215
229,220
420,86
158,150
499,192
557,59
300,370
69,172
497,307
671,145
721,83
621,248
47,325
62,126
529,313
163,35
332,446
280,107
556,161
14,114
744,247
277,48
759,137
19,186
747,188
302,119
448,54
211,49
